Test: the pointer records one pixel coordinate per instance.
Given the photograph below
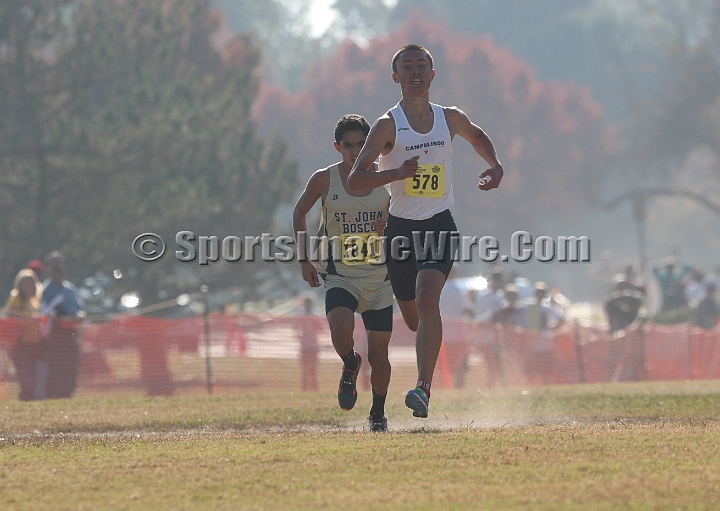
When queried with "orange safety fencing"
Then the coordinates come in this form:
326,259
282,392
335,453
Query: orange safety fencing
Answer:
231,353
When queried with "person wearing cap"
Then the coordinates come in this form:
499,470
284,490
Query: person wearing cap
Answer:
623,305
626,359
38,267
634,277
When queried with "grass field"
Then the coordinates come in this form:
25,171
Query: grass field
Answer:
613,446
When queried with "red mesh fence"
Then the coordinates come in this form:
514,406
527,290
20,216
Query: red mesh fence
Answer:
232,353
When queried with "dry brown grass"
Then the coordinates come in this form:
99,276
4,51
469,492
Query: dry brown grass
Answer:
622,446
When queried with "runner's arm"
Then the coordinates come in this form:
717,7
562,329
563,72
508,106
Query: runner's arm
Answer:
460,124
379,141
316,188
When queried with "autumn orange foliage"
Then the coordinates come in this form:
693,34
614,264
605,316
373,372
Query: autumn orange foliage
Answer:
550,136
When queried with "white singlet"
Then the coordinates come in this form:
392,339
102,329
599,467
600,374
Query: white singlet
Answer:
430,191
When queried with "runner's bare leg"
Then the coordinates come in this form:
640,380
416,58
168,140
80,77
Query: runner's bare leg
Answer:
429,333
409,313
378,358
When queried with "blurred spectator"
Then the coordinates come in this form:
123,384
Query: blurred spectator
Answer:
707,311
485,304
558,302
623,305
455,311
695,289
541,317
670,274
511,312
488,301
24,302
60,300
452,302
676,298
715,277
523,285
309,325
38,267
633,277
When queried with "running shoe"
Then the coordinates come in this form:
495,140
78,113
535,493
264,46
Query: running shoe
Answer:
347,393
377,424
417,400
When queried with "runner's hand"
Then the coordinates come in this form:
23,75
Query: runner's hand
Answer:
309,274
407,169
379,226
491,178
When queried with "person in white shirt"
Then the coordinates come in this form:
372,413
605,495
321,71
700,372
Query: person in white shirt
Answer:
413,141
455,311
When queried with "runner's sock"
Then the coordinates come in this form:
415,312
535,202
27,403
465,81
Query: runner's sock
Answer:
425,386
378,406
350,361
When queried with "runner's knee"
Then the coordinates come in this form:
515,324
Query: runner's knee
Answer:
409,314
378,359
340,330
427,301
411,322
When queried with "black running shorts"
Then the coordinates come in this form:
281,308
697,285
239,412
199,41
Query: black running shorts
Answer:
374,320
403,265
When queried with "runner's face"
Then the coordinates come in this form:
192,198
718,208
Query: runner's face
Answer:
350,145
414,72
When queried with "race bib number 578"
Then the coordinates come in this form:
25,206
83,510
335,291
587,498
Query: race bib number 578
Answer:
428,181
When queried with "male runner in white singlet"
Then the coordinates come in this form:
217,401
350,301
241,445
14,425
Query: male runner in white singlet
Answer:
413,141
356,280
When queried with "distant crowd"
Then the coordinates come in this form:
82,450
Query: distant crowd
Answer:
46,356
687,294
510,300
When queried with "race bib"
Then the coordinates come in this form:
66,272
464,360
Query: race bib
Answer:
429,181
362,248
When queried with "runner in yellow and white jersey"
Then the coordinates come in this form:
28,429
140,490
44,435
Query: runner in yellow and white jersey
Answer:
413,142
356,279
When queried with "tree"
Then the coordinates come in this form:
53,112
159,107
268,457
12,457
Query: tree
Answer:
282,29
545,132
140,122
686,113
29,94
675,132
598,43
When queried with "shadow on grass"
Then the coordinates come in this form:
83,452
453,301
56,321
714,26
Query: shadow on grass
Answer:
424,431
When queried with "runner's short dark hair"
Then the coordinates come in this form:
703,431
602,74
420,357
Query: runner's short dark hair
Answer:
409,47
350,122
